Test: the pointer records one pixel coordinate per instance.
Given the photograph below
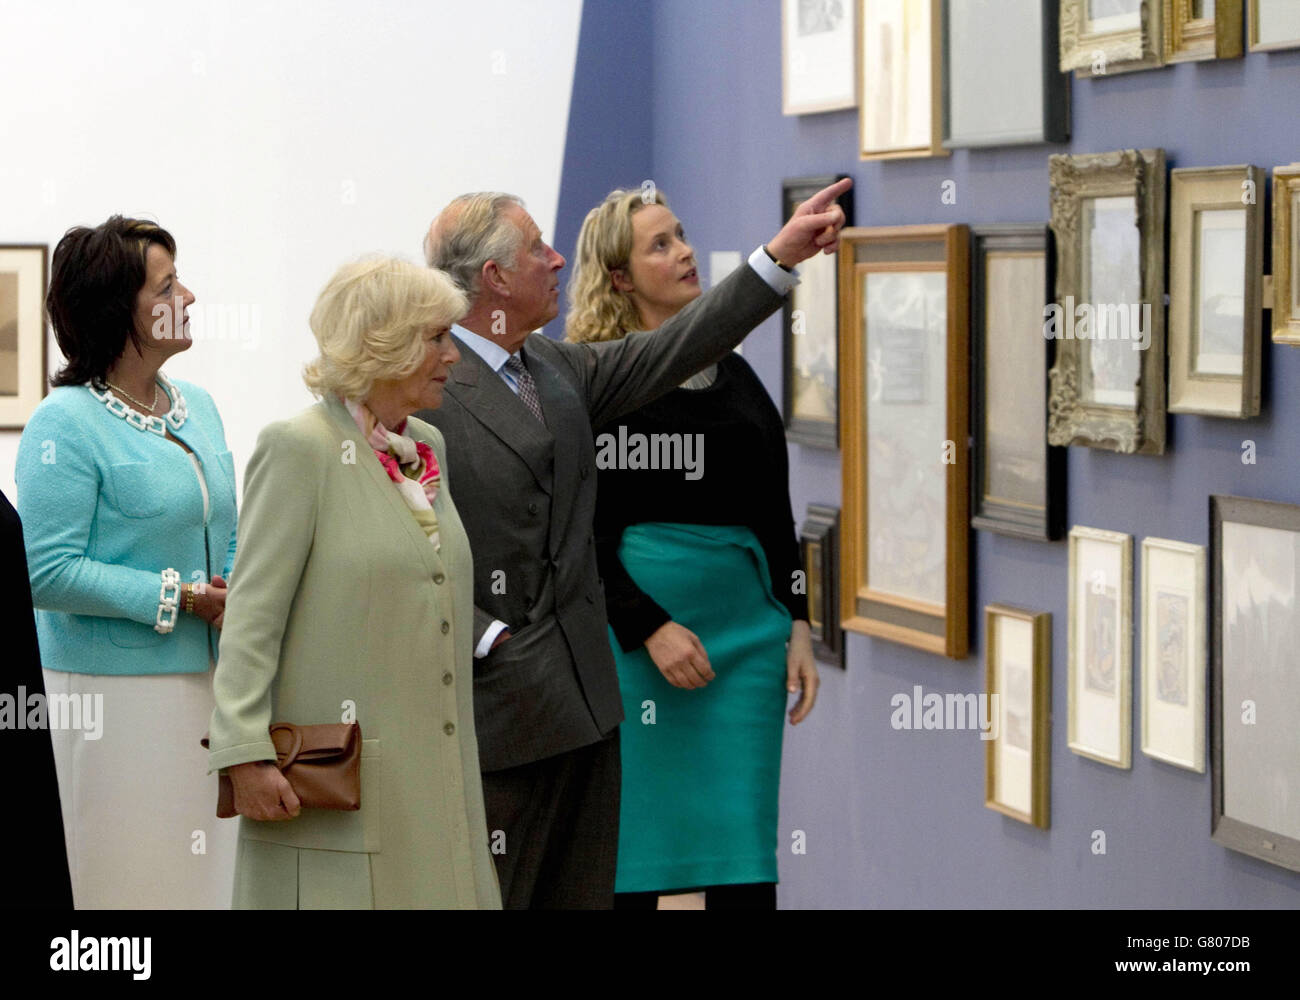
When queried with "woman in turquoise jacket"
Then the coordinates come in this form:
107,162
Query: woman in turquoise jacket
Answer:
126,491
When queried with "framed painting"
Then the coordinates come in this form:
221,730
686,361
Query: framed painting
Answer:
1255,741
1202,29
1108,382
1101,654
1003,85
1274,24
819,49
905,362
1018,678
810,327
900,113
1102,37
24,270
1018,479
1285,297
820,540
1216,249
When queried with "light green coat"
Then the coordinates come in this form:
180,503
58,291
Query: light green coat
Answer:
338,599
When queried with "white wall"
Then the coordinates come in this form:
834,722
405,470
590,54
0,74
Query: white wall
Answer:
274,141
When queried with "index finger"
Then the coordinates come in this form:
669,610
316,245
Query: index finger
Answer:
826,196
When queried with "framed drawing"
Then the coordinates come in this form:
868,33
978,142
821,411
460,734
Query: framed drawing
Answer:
1018,479
1285,300
1018,664
901,110
820,540
24,270
1173,652
810,326
1101,635
1216,248
1255,741
819,47
1102,37
1274,24
1202,29
1003,85
905,363
1108,382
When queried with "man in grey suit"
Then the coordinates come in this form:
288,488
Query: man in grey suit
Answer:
517,417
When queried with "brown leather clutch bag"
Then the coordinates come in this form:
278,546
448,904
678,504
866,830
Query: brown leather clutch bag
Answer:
322,764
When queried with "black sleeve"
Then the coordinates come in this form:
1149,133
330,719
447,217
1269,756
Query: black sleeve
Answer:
633,614
781,548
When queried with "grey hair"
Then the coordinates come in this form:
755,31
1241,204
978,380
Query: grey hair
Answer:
471,231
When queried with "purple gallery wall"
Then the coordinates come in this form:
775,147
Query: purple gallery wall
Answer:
688,93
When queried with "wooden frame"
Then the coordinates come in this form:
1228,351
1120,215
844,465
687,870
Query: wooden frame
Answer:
24,279
1096,186
1188,38
1013,515
985,62
903,262
1094,49
819,542
1173,652
924,18
1024,741
1256,45
1101,647
814,71
1255,554
1223,382
810,328
1282,293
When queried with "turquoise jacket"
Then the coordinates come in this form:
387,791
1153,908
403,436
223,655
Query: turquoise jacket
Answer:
107,507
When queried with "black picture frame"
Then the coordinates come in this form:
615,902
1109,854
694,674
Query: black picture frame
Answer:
803,430
819,545
990,513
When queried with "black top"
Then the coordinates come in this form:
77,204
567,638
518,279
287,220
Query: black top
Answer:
739,475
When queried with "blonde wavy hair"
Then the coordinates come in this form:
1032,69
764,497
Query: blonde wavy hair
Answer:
597,310
370,320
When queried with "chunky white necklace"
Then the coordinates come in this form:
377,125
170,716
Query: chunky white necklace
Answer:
173,419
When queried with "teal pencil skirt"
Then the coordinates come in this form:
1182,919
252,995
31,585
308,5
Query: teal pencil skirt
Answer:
701,768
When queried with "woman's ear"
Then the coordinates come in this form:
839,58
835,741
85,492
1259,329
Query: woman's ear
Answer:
622,282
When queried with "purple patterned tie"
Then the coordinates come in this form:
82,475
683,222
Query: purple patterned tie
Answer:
527,387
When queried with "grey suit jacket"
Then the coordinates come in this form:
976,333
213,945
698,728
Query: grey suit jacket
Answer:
527,495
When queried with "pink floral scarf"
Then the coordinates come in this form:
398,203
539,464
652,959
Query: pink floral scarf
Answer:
411,465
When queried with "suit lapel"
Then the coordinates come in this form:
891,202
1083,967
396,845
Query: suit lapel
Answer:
566,417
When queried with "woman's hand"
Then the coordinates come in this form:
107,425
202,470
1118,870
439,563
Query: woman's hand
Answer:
801,671
815,226
210,601
680,656
262,792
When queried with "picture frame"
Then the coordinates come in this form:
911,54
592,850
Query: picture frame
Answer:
1272,25
1216,254
900,113
810,332
1173,652
819,56
819,542
1100,642
1282,293
1255,555
1106,37
24,280
1018,478
1002,80
1018,679
1189,37
1108,380
904,425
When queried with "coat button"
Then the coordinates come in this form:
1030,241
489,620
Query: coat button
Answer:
438,578
447,678
583,472
446,627
532,508
591,598
449,728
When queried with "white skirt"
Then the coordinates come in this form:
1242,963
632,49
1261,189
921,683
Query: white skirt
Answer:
139,808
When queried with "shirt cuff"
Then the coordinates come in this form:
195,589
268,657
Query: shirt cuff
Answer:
777,278
489,636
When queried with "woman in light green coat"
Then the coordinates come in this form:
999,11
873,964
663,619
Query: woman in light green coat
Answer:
352,600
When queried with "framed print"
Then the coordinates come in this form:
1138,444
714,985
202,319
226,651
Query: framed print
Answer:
1102,37
905,363
901,110
1101,633
1108,382
1285,300
819,539
1018,665
810,326
819,47
1274,24
1216,248
1202,29
1003,84
1173,652
1018,479
1255,690
24,272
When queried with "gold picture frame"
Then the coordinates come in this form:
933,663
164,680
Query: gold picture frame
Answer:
1284,298
1290,39
1114,44
1188,38
1018,679
895,119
